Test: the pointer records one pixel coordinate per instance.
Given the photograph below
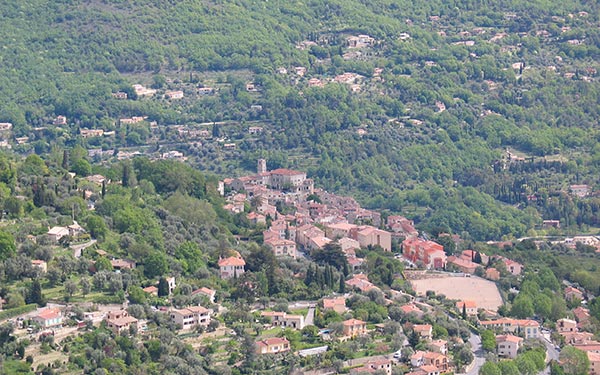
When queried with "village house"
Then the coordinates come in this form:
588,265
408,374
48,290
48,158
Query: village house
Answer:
572,294
60,120
355,264
492,274
49,317
207,292
471,255
122,264
369,236
256,218
282,319
337,304
566,325
424,370
171,284
119,321
119,95
412,309
582,315
282,247
360,41
89,133
438,346
56,233
348,245
5,126
402,226
152,290
515,268
572,338
425,331
470,307
174,94
438,360
354,327
255,130
360,282
508,345
317,243
430,253
463,265
97,179
232,266
40,264
594,359
592,346
580,191
272,345
205,90
528,328
190,317
143,91
379,366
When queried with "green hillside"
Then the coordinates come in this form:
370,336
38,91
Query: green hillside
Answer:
459,83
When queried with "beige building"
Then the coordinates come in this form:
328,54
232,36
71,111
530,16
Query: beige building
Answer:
232,266
508,345
119,321
272,345
190,317
354,327
529,328
282,247
566,325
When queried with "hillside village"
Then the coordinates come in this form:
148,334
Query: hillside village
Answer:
419,197
425,313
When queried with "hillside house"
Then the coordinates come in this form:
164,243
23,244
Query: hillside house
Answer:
379,366
119,321
566,325
354,327
430,253
207,292
463,265
232,266
438,346
425,331
337,304
56,233
469,306
572,294
580,191
282,319
49,317
360,282
282,247
190,317
272,345
508,345
40,264
528,328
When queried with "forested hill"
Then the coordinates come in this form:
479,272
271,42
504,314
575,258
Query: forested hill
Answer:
418,120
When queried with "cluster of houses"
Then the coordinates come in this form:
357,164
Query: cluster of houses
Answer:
315,223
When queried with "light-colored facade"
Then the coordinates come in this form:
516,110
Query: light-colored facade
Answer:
119,321
528,328
190,317
508,345
273,345
354,327
50,317
282,247
282,319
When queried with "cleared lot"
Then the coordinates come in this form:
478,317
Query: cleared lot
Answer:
483,292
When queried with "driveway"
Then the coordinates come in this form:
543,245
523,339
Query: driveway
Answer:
77,249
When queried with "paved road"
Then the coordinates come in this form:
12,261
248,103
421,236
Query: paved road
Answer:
77,249
479,360
551,353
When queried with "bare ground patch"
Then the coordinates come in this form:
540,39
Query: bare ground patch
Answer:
483,292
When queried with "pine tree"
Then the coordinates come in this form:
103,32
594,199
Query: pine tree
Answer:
163,287
35,293
464,311
342,288
103,188
65,160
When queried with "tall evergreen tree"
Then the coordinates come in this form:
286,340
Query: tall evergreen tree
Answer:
342,288
163,287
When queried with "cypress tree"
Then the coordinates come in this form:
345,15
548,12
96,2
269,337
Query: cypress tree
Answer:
342,288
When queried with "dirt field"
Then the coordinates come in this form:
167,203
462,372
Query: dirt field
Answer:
483,292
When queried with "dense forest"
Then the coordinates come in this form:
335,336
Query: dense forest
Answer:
446,88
